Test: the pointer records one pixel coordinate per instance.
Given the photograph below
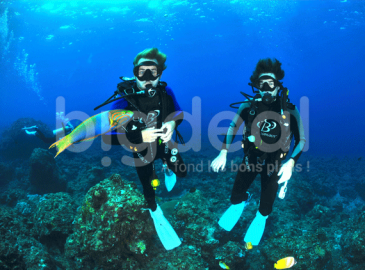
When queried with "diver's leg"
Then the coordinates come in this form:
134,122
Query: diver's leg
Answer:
165,232
41,136
247,173
146,174
269,188
245,176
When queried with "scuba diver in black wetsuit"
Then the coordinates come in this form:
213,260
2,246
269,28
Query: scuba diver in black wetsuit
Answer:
148,134
66,129
270,123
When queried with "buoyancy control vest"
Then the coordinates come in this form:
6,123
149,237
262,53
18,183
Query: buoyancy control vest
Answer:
127,90
251,131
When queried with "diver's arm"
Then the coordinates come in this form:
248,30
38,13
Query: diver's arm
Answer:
176,116
286,169
175,113
298,132
233,127
219,163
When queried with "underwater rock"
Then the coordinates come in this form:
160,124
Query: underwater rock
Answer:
308,246
348,192
322,214
24,208
360,188
44,174
199,224
6,174
18,249
353,240
325,187
15,143
111,230
87,177
184,257
54,214
10,197
232,254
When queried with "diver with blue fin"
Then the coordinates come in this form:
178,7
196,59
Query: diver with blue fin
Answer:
66,129
270,123
148,135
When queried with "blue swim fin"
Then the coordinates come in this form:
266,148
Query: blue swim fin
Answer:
165,232
231,216
170,178
256,229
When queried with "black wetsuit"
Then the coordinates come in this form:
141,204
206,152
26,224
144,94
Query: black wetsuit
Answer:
53,139
150,111
262,157
41,136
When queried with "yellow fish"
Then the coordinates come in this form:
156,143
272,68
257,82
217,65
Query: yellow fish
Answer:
285,263
93,127
223,265
248,245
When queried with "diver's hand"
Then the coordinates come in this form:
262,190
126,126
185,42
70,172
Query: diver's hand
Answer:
220,161
150,134
170,127
286,171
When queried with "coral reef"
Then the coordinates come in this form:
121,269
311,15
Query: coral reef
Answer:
44,174
6,174
353,239
88,176
103,223
111,229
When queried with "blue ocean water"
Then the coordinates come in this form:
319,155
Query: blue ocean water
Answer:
67,56
78,49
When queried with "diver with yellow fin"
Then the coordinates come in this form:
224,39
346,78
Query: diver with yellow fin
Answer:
270,123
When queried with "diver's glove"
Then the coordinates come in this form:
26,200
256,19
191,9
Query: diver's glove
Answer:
150,135
283,191
220,161
168,129
286,171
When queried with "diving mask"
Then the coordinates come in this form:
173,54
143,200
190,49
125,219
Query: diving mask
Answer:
148,74
268,88
267,83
